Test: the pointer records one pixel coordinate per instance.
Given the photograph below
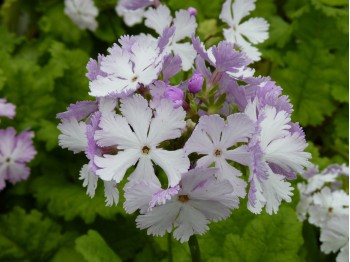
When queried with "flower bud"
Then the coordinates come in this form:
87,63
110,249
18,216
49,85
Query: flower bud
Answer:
195,83
175,95
192,11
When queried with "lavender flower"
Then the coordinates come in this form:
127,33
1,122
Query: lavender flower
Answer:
7,109
201,198
214,139
15,153
82,12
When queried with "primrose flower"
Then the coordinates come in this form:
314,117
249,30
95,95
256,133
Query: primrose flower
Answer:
82,12
277,154
126,68
214,139
201,197
185,25
335,237
254,29
7,109
15,152
130,16
137,135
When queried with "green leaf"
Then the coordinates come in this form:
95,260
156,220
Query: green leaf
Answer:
56,24
28,237
69,200
280,32
94,249
332,7
266,238
307,79
49,133
67,255
322,162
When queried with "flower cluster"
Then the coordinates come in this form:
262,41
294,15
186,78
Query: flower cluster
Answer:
326,206
15,151
182,146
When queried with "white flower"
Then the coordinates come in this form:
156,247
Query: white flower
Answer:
73,135
131,17
82,12
335,236
254,29
274,149
127,69
327,204
185,26
201,198
90,181
137,135
214,139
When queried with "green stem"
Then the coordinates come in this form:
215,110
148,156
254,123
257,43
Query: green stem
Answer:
170,248
194,248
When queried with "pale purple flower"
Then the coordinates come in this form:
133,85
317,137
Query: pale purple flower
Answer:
171,66
195,83
327,204
255,30
82,12
277,155
335,237
201,198
175,95
214,139
79,110
7,109
185,25
130,16
15,153
137,4
137,133
94,68
227,62
127,68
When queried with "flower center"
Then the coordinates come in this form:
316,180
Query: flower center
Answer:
330,209
7,160
134,79
183,198
145,150
217,152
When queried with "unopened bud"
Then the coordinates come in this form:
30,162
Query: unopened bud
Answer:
175,95
192,11
195,83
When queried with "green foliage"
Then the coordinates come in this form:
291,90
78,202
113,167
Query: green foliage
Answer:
28,237
69,200
263,238
94,249
307,79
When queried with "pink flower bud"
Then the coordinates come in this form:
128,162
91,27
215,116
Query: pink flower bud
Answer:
175,95
192,11
195,83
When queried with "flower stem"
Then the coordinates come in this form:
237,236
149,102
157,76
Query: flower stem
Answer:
170,248
194,248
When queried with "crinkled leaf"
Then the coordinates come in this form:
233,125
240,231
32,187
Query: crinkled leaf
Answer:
94,249
307,79
28,237
69,200
266,238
